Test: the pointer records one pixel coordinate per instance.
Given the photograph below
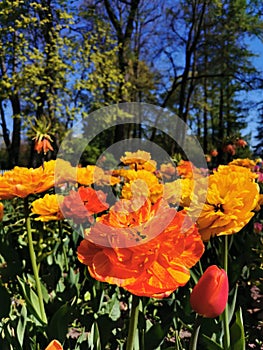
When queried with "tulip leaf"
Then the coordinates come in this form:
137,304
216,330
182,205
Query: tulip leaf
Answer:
141,321
73,277
105,326
94,337
155,336
231,308
237,334
31,298
112,307
210,343
21,326
194,276
58,326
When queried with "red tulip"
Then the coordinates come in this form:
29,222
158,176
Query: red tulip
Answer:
209,296
241,143
231,149
214,153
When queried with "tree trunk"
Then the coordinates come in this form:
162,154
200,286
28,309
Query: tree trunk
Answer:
16,137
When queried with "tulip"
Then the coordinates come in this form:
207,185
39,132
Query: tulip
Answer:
231,149
241,143
258,227
54,345
214,153
210,294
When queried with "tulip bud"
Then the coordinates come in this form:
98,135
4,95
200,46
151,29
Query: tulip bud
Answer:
214,153
258,227
54,345
210,294
231,149
241,143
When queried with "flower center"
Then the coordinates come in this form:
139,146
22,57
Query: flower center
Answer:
218,207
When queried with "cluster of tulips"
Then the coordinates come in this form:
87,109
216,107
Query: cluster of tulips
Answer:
155,230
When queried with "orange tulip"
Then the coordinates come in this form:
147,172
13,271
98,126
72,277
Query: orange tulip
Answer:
158,260
21,181
210,294
54,345
82,204
139,160
48,207
185,169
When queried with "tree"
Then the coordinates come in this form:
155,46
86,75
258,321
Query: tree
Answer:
131,26
215,65
32,65
258,148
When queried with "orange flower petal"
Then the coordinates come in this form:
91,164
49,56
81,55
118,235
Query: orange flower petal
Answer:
54,345
154,267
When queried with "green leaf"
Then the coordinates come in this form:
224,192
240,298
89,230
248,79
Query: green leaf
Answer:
31,280
31,299
237,334
105,327
114,308
58,326
21,326
141,321
194,276
73,277
94,337
232,307
210,343
154,336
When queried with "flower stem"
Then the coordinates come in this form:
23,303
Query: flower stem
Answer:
226,253
34,263
225,313
64,248
196,329
133,322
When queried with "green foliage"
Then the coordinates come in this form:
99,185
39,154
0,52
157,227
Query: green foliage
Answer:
237,332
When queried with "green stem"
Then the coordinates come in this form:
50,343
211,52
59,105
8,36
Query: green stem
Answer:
196,329
64,248
225,313
200,268
133,322
177,345
34,263
226,253
142,336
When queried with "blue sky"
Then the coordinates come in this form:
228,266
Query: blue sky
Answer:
256,96
256,46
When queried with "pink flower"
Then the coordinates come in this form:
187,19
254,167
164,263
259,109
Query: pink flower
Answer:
258,227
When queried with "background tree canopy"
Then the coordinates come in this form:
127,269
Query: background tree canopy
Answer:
61,60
